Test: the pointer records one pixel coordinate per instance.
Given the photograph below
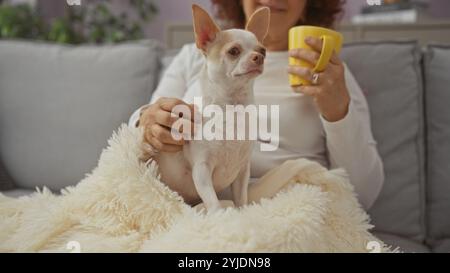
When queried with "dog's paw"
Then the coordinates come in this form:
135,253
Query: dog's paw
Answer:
224,204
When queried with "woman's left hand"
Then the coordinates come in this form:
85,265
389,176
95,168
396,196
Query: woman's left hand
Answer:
330,91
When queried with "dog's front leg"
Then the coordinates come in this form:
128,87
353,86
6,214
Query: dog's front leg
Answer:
239,187
202,176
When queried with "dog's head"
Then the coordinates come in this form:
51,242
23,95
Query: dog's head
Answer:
232,56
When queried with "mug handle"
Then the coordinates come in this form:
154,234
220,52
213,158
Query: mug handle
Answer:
327,52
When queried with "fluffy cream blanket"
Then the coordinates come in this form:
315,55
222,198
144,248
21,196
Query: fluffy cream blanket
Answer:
123,207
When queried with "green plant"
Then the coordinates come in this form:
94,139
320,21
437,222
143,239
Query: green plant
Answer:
92,22
20,22
62,31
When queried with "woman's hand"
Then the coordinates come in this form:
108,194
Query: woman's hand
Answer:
330,92
157,120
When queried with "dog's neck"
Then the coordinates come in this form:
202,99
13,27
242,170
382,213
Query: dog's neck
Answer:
218,93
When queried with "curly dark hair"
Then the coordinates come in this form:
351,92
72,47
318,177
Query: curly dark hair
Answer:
322,13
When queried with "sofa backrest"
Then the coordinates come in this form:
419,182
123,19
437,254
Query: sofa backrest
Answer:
437,98
60,104
390,75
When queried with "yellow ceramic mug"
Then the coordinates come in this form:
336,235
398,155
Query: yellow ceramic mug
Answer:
332,41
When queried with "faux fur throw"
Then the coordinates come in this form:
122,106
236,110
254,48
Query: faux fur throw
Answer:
123,207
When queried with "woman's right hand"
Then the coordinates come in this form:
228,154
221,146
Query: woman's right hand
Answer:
157,120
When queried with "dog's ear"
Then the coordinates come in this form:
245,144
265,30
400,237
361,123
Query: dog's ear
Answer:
259,23
204,27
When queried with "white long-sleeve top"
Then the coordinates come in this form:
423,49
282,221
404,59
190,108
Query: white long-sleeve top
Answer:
304,133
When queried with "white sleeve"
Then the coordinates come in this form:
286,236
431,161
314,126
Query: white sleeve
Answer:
133,121
351,146
173,84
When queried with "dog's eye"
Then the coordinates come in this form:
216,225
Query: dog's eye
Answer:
234,51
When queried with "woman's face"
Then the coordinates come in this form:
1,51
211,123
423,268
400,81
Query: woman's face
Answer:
284,15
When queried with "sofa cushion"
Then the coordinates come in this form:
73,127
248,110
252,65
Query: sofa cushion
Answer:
402,244
437,97
442,246
60,104
390,75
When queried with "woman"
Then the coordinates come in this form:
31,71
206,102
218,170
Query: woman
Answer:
328,122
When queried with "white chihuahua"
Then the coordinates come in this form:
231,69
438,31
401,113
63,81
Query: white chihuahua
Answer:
234,58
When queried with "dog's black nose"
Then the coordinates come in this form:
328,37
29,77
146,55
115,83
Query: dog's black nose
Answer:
257,59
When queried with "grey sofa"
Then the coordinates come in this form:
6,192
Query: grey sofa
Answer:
59,105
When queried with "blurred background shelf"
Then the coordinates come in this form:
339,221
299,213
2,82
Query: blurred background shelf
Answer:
424,32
